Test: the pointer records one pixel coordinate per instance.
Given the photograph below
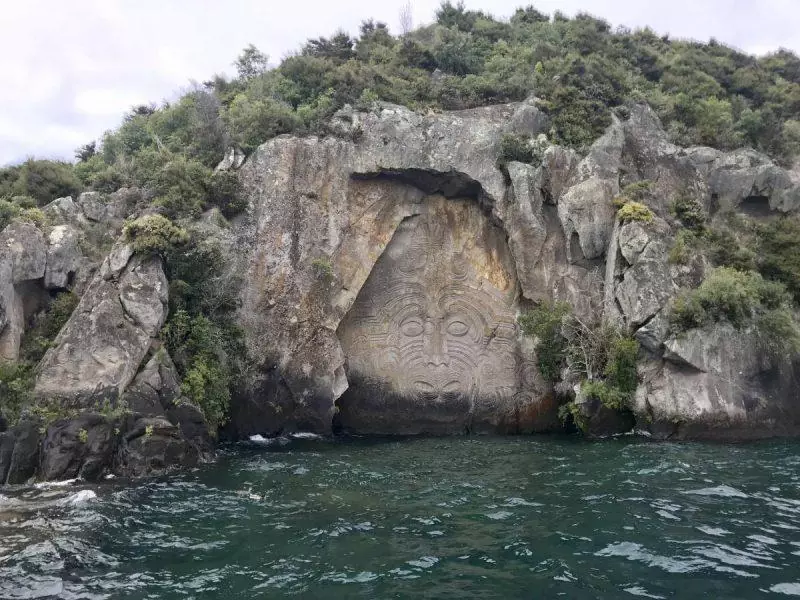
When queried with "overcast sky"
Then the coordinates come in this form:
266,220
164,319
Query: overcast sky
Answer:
71,68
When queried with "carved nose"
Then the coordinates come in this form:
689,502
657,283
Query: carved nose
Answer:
437,348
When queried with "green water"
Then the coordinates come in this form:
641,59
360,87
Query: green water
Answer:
426,518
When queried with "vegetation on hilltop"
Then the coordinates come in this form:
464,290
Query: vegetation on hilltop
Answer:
579,68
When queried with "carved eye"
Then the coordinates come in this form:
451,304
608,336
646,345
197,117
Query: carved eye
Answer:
457,328
412,327
452,386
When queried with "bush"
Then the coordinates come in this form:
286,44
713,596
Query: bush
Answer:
322,268
8,212
517,148
182,186
16,390
727,295
610,396
778,257
681,251
225,192
46,326
94,173
202,349
155,234
34,216
43,180
690,212
544,322
635,211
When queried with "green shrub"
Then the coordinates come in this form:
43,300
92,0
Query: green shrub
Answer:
681,251
778,257
517,148
182,187
46,327
94,173
638,191
545,323
620,369
33,215
8,212
203,352
16,389
322,268
690,212
43,180
727,295
155,234
225,192
635,211
610,396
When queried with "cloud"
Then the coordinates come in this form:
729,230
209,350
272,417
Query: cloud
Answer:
72,68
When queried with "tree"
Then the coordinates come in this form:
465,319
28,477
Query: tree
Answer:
251,63
86,151
406,19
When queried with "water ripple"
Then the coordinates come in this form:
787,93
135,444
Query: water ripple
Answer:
445,518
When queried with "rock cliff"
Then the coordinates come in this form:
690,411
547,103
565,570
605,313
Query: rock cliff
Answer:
366,254
380,272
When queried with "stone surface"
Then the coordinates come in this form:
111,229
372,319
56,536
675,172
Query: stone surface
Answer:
98,352
24,458
327,216
646,284
80,447
93,206
719,382
26,246
151,445
233,159
341,203
63,257
431,339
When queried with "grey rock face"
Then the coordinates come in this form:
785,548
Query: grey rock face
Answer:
646,284
332,220
25,244
233,159
156,393
99,350
722,379
431,339
63,257
153,444
80,447
19,452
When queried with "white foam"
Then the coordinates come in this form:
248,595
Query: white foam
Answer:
789,589
721,490
80,498
306,435
44,485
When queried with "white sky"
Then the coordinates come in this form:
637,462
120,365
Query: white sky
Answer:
70,69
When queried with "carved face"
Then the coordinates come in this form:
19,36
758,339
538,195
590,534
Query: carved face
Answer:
427,323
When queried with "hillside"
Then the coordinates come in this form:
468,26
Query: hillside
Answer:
608,249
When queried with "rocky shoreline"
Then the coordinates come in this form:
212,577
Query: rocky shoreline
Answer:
379,272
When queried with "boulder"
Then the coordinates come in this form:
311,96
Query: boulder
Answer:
64,257
79,447
233,159
153,444
98,352
24,458
718,382
25,245
646,284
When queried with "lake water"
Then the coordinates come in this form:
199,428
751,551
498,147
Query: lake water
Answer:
460,517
